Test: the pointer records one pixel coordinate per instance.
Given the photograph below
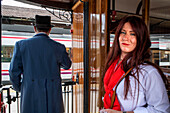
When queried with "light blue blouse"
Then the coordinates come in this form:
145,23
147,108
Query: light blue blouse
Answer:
152,92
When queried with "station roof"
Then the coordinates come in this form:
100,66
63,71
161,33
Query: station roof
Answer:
20,19
25,16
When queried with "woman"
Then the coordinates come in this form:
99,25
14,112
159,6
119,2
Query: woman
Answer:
142,88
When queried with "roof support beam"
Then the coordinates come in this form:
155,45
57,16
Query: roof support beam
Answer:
145,12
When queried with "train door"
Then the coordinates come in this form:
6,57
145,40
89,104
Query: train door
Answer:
89,49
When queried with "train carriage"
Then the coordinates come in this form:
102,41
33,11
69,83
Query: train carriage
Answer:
10,38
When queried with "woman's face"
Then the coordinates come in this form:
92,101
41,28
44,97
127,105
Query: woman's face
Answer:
127,39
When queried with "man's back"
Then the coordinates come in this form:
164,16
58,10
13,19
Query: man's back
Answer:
44,56
39,59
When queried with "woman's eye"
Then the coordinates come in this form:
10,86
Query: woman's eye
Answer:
133,34
122,32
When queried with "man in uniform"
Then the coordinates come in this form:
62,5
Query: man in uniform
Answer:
35,70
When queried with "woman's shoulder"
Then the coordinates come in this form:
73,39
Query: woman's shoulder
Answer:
148,74
147,67
147,70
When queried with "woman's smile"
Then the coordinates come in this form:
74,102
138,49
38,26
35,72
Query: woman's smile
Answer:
127,39
125,44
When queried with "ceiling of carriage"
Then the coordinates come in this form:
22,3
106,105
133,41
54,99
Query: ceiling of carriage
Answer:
59,4
158,8
159,13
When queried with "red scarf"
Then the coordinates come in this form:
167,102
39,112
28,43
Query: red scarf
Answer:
112,76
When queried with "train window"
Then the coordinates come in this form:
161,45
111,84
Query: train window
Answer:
165,58
6,53
161,51
155,56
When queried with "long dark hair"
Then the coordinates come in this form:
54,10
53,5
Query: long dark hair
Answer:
140,55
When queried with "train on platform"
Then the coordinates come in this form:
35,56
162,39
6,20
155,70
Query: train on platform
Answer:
9,38
8,41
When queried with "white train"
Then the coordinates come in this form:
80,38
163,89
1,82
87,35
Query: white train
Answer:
8,41
160,50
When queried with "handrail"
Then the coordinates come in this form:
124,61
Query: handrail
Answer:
67,90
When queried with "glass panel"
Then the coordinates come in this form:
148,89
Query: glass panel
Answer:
161,51
77,60
97,51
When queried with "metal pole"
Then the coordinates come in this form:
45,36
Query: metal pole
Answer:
68,99
9,99
2,110
72,98
86,108
145,12
17,97
65,97
0,47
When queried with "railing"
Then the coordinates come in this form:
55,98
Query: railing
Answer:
10,102
68,95
7,99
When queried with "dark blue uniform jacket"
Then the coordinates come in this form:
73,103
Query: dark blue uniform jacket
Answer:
35,72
